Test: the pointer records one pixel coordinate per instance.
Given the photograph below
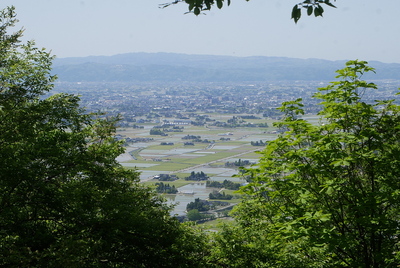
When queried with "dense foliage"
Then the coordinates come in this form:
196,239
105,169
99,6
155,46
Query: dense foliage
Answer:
324,195
200,205
218,195
64,200
227,184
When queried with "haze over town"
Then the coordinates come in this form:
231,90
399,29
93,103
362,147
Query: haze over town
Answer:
357,29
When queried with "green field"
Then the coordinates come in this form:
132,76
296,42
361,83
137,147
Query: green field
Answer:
152,157
209,158
164,147
172,158
168,166
232,143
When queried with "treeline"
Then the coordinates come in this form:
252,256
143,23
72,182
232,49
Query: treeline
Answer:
200,205
199,176
238,163
157,131
197,210
165,188
258,143
194,139
218,195
166,143
227,184
191,137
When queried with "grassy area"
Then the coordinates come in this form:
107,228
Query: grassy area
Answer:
252,155
210,157
232,192
191,128
163,147
149,183
140,162
196,145
167,166
232,201
216,131
136,153
231,143
181,182
218,164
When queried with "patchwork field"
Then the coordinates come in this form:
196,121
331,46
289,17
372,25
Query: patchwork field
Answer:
177,157
169,155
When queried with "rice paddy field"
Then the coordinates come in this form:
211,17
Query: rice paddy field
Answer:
152,158
178,157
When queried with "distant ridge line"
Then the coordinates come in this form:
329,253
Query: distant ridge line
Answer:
174,67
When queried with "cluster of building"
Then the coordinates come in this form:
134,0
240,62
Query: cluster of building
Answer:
187,103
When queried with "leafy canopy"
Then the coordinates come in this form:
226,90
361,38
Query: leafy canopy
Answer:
324,195
311,6
64,199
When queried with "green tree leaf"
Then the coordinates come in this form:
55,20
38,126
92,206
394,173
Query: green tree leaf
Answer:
219,4
309,10
296,11
324,195
64,199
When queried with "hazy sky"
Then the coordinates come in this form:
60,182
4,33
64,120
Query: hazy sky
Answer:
357,29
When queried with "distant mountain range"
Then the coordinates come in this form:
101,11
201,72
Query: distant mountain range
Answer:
171,67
